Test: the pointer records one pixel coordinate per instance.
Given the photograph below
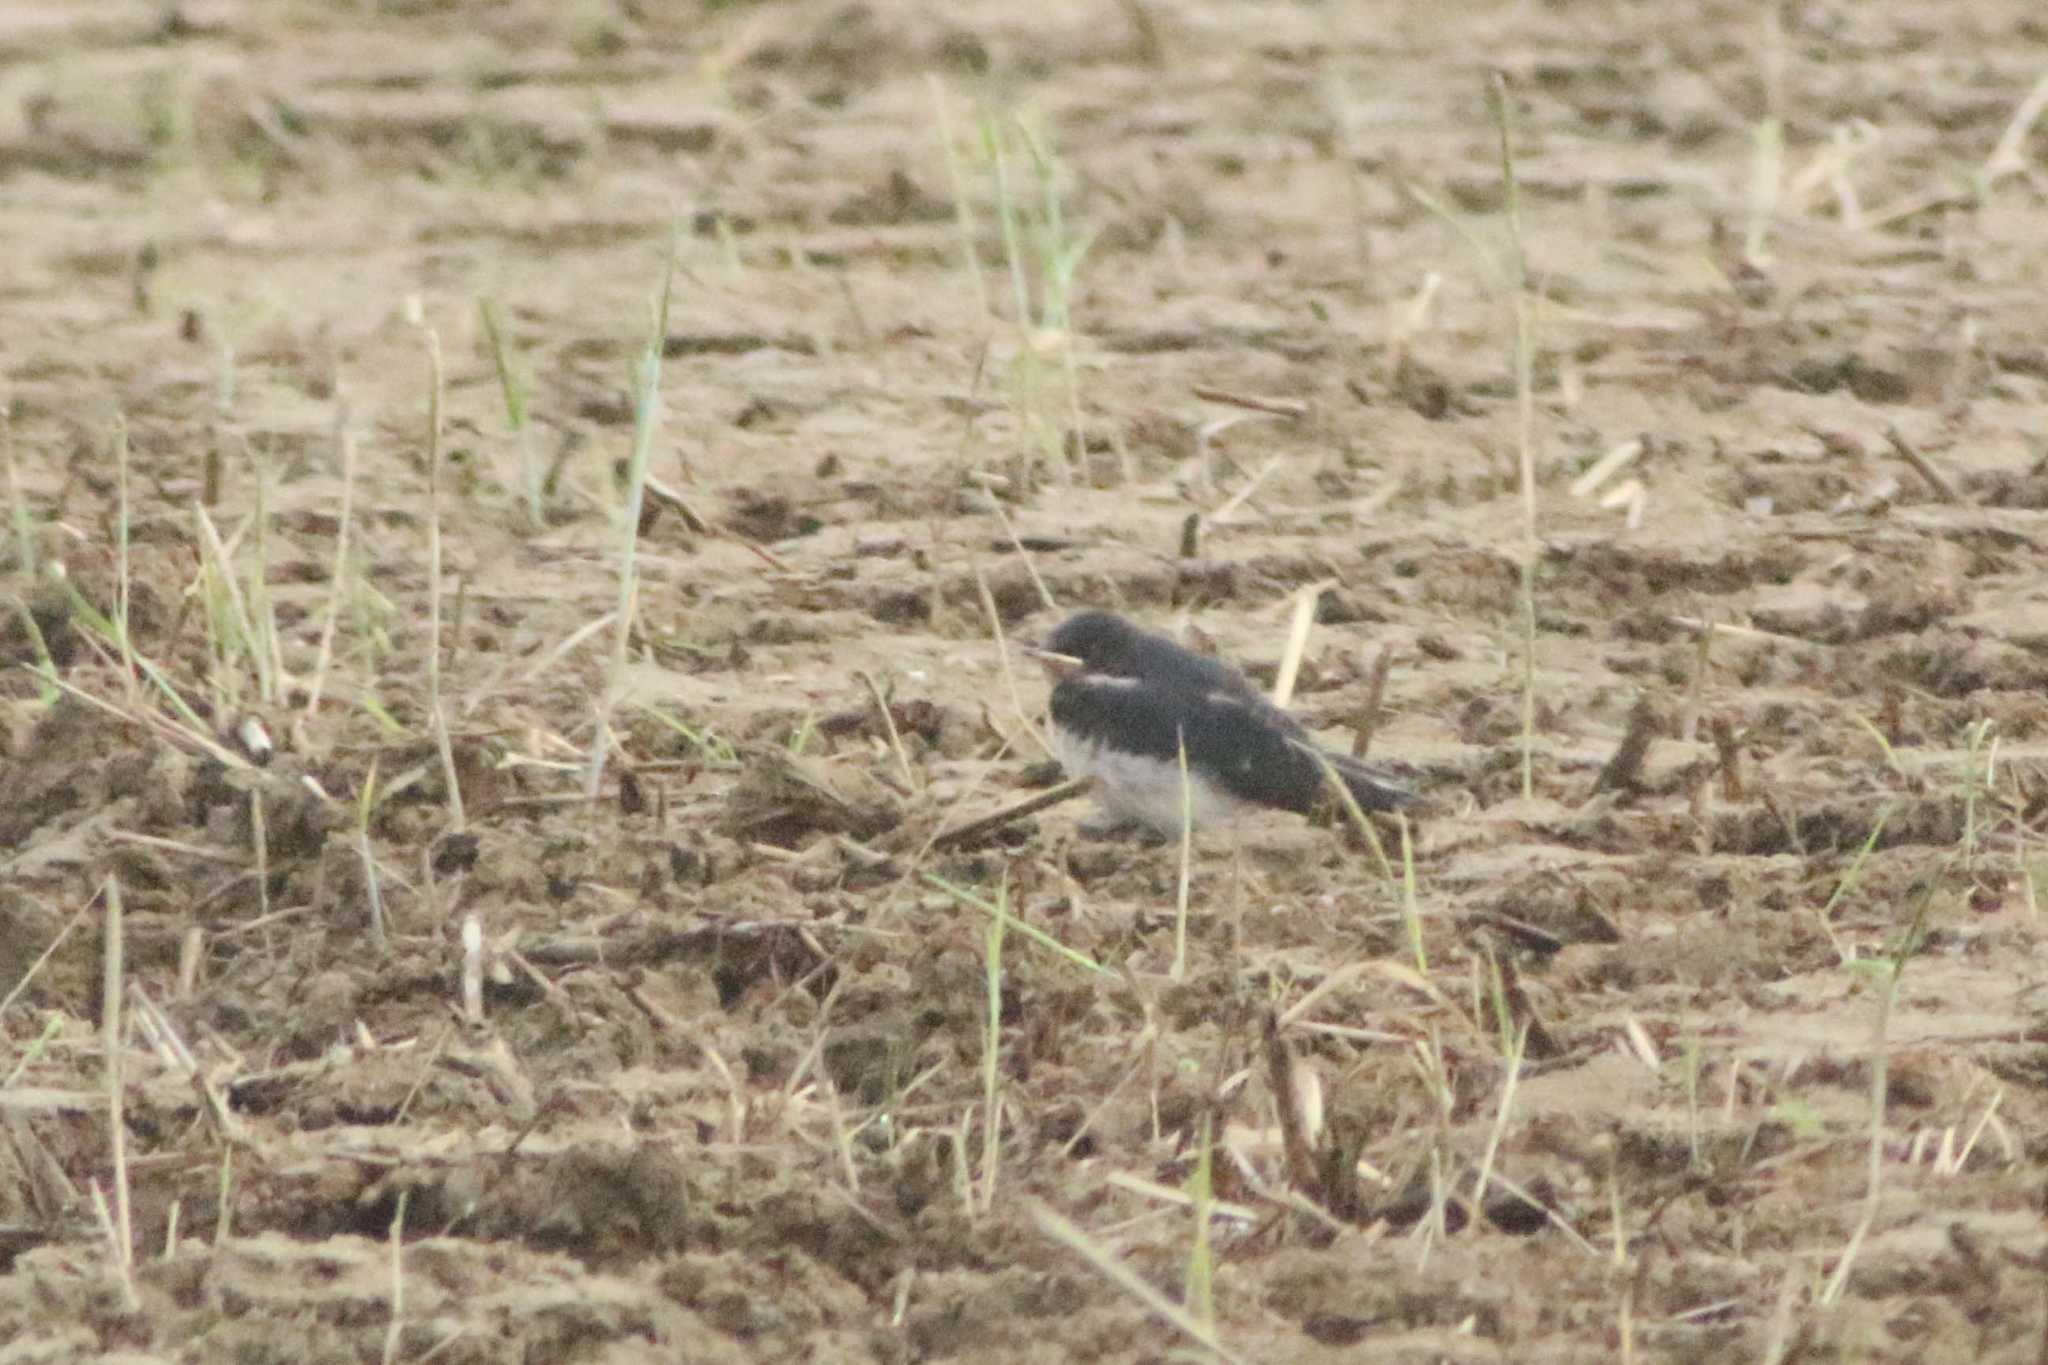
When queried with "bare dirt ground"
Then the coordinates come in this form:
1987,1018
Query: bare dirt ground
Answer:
728,1095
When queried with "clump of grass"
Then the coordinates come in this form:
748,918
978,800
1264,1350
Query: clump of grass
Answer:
1042,253
1847,883
646,421
234,593
1112,1269
970,259
1508,272
113,638
340,574
437,714
167,117
1891,970
1978,776
515,389
1024,927
1766,147
1514,1048
713,749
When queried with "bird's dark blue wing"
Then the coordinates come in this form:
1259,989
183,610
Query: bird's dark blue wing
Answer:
1159,659
1254,751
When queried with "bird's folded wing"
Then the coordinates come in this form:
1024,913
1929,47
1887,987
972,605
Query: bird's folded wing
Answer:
1370,787
1253,751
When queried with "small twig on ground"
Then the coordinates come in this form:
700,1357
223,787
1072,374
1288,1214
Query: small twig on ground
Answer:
1017,543
171,1046
1625,769
1227,513
1278,407
995,629
1697,624
120,1227
557,997
1301,1162
881,701
14,993
661,493
966,834
1302,621
1689,713
1723,731
1522,1016
394,1333
1375,695
472,970
2009,156
1106,1264
1922,466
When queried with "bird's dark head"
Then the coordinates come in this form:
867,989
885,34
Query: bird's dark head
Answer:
1103,641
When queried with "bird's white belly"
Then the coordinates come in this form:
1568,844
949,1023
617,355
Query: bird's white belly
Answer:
1147,790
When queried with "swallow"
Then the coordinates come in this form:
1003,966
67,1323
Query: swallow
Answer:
1127,702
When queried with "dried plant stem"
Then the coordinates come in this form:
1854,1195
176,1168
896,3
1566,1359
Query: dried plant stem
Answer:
1300,622
472,970
394,1333
1516,1050
1294,1139
1880,1086
991,1055
1106,1264
437,716
1525,413
1624,769
888,719
259,844
1411,905
965,834
121,601
14,992
366,805
995,628
1922,466
1179,970
121,1226
1368,721
1200,1292
17,501
1689,715
1880,1077
224,1214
